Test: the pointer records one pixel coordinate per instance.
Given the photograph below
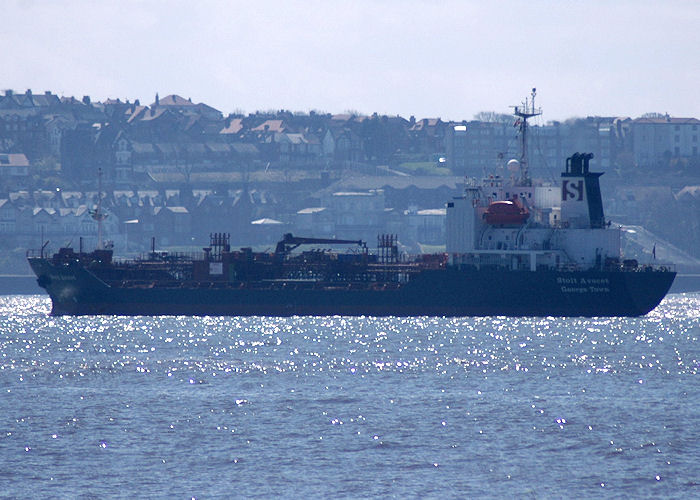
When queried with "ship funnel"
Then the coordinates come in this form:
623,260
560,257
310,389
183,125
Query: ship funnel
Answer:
577,164
581,201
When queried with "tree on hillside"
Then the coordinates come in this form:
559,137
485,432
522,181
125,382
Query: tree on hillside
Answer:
654,115
493,117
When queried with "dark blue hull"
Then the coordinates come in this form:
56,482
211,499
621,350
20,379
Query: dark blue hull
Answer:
446,292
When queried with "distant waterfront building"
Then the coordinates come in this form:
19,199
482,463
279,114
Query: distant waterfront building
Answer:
427,135
425,226
357,214
658,140
474,147
551,144
13,165
314,221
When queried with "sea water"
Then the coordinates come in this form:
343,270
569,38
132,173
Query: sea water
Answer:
221,407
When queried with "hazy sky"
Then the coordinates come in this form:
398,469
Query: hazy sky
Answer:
448,59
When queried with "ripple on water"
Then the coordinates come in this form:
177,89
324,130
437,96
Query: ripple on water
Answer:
506,405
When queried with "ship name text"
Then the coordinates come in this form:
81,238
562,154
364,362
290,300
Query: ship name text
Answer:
584,285
561,280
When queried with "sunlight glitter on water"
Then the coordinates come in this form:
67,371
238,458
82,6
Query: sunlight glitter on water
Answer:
361,344
513,406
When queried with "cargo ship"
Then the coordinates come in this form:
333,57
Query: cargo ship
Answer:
513,248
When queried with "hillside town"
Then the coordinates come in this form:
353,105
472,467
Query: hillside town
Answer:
176,171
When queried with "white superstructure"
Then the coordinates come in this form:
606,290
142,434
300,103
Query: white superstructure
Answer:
517,225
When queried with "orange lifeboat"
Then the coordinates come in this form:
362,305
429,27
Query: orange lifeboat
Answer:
506,213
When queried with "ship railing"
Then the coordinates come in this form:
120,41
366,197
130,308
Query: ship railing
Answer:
38,252
621,267
161,257
655,267
569,267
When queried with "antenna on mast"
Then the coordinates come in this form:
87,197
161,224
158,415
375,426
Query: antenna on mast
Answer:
527,110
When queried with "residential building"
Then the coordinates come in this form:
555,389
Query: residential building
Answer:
13,166
657,140
357,215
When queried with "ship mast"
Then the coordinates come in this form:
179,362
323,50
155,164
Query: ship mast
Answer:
97,214
523,112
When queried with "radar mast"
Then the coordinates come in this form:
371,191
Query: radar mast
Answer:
523,112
